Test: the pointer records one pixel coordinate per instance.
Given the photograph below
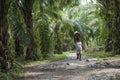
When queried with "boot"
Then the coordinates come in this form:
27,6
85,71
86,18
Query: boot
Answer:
77,56
80,57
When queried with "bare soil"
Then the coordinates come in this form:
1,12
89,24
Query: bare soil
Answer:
72,69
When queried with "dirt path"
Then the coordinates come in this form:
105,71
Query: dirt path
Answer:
73,69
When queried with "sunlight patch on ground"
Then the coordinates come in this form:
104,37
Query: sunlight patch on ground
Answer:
33,73
36,63
107,71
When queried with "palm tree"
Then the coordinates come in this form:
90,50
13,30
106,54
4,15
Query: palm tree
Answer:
5,55
104,12
116,23
83,19
26,9
51,8
58,45
111,8
17,29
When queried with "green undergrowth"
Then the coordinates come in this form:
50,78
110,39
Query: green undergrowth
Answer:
17,71
100,54
55,57
13,73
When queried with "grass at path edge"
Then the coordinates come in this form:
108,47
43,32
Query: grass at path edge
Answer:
55,57
100,54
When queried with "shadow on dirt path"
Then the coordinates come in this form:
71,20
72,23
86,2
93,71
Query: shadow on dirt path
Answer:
73,69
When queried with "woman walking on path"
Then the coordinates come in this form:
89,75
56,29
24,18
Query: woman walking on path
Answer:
78,44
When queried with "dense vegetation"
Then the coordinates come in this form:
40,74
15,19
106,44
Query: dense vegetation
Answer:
38,29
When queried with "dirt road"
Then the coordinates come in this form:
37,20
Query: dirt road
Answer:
73,69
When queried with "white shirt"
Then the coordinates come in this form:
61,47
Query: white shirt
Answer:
79,45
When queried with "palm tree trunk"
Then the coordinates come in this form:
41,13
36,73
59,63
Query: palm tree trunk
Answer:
5,58
18,47
28,4
58,45
26,9
16,29
116,44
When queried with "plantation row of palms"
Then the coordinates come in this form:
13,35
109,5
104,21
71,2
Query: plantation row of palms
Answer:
38,29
